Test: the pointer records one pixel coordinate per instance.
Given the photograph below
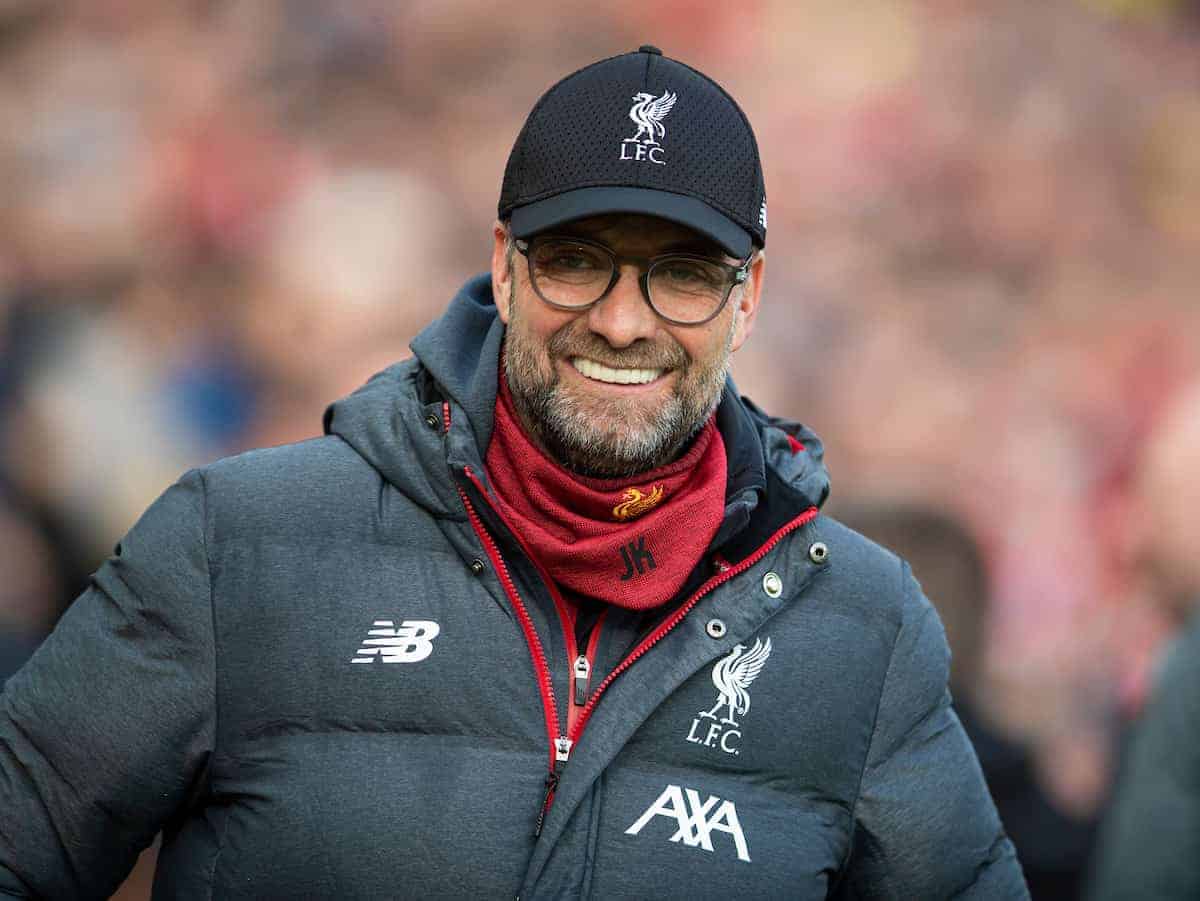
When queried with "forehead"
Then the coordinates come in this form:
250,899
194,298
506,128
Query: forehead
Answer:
640,235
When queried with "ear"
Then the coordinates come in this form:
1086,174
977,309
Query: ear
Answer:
502,274
747,301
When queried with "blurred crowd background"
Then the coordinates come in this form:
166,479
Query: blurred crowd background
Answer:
217,217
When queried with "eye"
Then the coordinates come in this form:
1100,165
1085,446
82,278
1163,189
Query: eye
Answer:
563,257
690,273
572,260
682,272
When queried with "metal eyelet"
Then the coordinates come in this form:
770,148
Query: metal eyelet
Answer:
715,628
772,584
818,552
478,566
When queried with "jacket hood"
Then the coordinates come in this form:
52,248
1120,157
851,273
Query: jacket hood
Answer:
395,421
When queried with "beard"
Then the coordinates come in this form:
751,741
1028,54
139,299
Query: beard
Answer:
615,437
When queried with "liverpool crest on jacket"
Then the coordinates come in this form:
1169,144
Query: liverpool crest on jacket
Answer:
718,727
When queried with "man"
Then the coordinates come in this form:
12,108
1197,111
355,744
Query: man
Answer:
549,612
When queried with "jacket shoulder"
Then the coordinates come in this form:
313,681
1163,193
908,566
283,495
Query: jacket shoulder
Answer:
869,580
312,462
306,482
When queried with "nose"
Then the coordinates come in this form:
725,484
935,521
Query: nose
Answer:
623,316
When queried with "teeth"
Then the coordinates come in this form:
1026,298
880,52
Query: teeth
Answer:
594,370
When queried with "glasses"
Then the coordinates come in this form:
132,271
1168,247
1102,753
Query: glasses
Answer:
682,288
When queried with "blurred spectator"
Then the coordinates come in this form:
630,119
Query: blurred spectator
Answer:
349,269
1151,841
100,430
1052,845
1165,534
31,587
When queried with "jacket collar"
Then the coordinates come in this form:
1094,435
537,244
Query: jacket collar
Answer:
461,350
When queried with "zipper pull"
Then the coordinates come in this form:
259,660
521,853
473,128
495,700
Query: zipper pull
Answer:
551,785
583,671
562,750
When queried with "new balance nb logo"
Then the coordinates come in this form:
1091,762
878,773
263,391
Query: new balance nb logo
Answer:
695,822
410,642
637,558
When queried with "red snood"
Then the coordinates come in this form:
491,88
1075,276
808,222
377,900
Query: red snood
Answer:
630,542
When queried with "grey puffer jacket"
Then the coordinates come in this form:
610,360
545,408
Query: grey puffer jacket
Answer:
329,670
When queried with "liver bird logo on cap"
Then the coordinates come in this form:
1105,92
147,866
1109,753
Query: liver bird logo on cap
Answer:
647,114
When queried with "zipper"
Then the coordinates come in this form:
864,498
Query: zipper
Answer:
561,745
536,652
579,665
581,674
562,752
724,575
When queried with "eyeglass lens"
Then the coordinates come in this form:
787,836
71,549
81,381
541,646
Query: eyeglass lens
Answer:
572,274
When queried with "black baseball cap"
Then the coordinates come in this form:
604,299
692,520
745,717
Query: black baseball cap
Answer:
638,133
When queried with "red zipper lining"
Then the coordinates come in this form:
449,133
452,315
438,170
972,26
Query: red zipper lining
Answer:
657,635
573,709
652,639
536,652
560,605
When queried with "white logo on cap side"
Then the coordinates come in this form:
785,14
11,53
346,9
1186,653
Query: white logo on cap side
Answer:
647,114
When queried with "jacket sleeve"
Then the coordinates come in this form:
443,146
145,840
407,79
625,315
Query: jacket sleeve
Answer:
105,732
1150,844
924,823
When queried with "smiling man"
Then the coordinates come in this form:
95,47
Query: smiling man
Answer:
549,612
614,389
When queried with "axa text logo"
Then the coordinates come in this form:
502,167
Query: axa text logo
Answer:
695,820
410,642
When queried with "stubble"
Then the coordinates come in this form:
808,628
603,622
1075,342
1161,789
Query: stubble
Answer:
608,437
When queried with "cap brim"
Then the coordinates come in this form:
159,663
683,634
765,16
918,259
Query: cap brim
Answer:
532,218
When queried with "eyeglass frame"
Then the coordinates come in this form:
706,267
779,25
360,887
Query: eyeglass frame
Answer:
737,274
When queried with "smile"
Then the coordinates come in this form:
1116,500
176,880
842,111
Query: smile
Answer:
601,373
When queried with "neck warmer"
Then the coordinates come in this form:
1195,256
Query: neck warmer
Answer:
629,542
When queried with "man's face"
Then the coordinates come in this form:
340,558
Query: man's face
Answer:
614,390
